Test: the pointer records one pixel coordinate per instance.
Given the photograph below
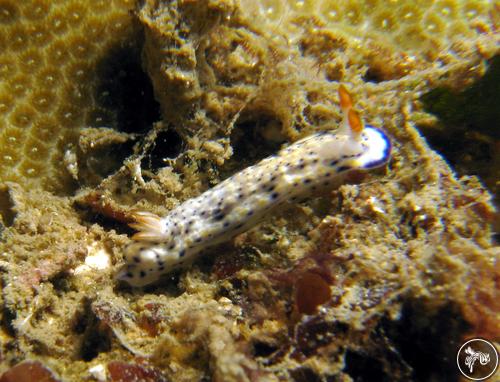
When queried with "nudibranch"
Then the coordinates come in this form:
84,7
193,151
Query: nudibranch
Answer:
164,244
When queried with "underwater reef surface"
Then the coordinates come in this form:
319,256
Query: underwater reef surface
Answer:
111,107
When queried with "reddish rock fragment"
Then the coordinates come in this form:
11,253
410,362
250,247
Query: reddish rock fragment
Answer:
312,290
356,177
104,206
227,266
150,320
314,334
128,372
28,371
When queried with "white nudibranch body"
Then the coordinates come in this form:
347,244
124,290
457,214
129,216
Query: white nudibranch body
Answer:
241,201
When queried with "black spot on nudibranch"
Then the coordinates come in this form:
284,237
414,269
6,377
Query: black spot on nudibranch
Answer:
137,259
334,162
343,168
142,274
182,253
219,217
274,195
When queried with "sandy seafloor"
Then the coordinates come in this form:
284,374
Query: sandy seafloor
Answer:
109,107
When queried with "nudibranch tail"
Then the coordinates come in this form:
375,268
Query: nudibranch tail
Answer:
164,244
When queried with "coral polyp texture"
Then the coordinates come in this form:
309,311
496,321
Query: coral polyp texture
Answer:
227,59
379,279
49,57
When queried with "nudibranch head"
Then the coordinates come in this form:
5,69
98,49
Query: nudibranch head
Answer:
372,145
377,148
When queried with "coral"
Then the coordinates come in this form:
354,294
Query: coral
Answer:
279,58
50,75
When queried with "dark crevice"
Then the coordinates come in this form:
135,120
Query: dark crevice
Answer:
125,102
263,349
96,165
475,108
253,140
427,341
167,145
362,367
125,92
373,75
7,320
467,130
7,212
96,337
304,374
61,283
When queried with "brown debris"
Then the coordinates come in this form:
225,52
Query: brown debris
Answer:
28,371
128,372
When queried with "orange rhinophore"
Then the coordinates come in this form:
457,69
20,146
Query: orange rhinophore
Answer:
345,98
355,121
351,117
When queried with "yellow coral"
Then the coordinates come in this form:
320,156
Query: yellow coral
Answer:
272,57
48,56
387,19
